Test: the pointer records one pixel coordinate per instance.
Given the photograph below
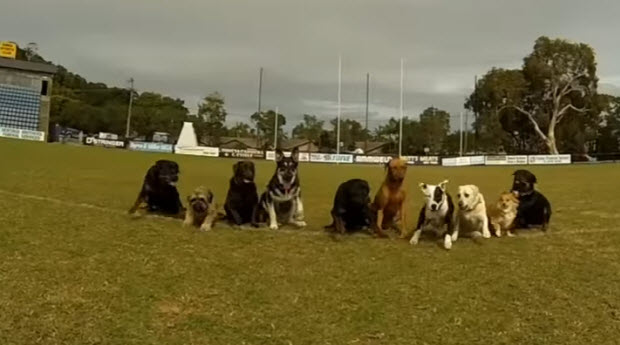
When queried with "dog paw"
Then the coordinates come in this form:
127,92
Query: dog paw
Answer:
413,241
510,234
273,226
205,227
447,242
486,235
454,237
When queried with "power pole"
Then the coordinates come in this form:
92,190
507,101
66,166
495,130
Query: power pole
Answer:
275,130
367,94
260,94
339,100
400,126
461,136
466,130
127,129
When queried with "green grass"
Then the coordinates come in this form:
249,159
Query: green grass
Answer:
73,274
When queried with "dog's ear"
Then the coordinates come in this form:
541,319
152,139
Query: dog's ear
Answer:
235,168
443,184
209,196
387,164
475,189
295,155
515,193
279,155
423,186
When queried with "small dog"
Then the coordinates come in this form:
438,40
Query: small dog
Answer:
242,196
389,204
351,210
534,209
502,214
471,217
281,202
202,211
159,190
436,214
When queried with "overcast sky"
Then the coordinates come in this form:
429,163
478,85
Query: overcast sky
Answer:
189,48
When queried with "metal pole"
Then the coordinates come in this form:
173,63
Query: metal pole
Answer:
275,130
475,143
367,96
339,100
260,94
466,130
400,130
127,129
461,137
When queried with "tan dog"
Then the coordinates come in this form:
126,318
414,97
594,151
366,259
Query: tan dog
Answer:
502,214
471,217
389,204
201,211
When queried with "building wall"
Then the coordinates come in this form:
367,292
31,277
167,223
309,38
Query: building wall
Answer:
32,81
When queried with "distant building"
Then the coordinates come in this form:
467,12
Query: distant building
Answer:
304,145
25,89
371,147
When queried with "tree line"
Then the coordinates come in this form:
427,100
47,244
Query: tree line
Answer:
549,105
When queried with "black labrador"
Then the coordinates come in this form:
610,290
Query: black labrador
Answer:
159,190
351,210
242,196
534,209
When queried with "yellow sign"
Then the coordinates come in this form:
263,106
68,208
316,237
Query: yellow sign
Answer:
8,50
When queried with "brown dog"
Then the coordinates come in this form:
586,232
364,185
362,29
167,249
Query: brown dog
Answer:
389,204
202,211
502,214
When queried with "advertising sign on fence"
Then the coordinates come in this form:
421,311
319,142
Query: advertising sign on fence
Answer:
549,159
206,151
330,158
151,147
372,159
462,161
303,156
104,142
428,160
22,134
505,160
247,153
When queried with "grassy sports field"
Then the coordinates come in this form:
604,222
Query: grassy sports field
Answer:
75,269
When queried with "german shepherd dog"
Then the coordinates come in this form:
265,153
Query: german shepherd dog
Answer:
281,202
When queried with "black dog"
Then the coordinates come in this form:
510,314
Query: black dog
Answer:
159,190
281,202
534,209
351,210
242,196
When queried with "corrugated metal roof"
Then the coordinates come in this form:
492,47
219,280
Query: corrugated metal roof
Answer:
27,66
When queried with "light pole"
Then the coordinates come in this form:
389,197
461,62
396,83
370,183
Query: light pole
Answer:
127,129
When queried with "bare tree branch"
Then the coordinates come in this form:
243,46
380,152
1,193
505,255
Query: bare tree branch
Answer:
562,111
531,117
569,86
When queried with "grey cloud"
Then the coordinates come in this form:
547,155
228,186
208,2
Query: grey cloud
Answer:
188,49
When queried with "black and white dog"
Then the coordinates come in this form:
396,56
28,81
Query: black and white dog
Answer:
281,202
534,209
436,215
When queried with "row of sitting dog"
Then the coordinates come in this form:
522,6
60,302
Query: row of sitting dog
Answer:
279,204
522,207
